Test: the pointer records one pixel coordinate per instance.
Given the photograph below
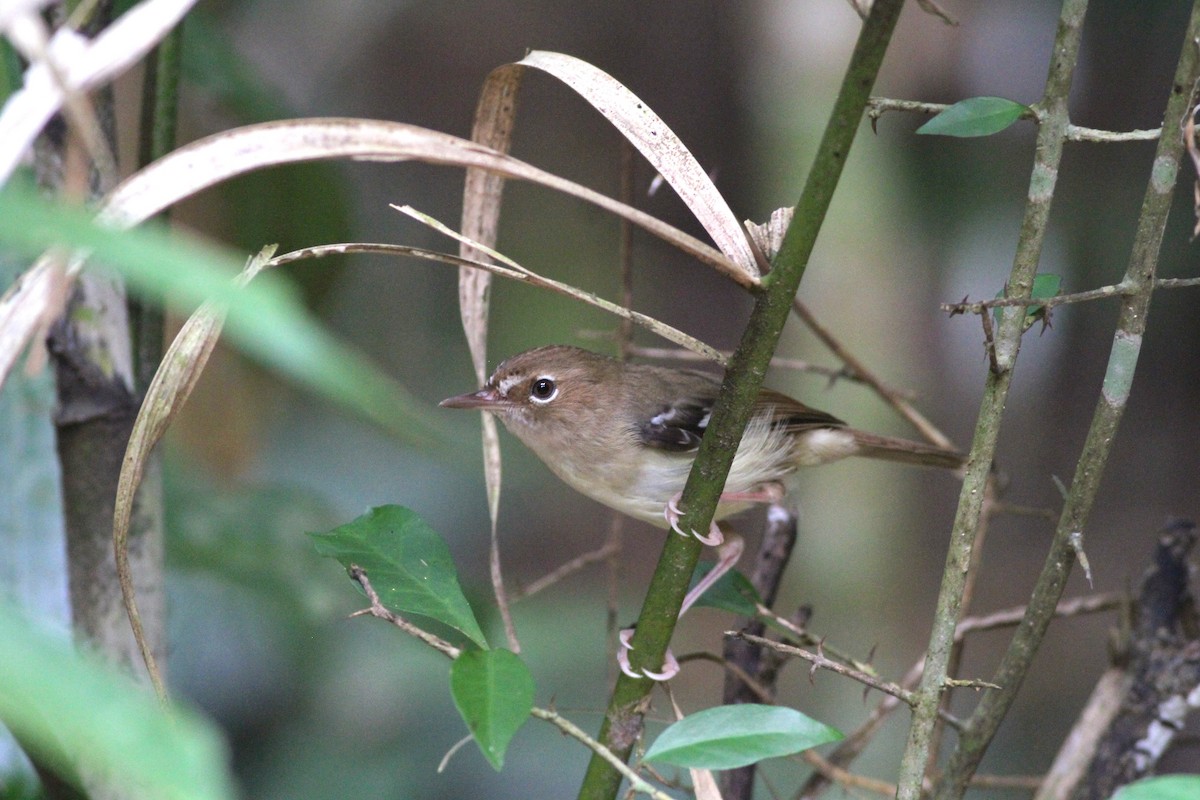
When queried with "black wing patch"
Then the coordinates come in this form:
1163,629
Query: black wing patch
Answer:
678,427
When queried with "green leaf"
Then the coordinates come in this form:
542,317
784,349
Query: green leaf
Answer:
265,318
727,737
494,693
975,116
407,563
81,718
1045,285
1164,787
732,592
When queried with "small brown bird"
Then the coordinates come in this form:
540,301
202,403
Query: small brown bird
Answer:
626,434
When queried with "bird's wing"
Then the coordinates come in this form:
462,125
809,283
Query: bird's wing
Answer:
677,426
792,414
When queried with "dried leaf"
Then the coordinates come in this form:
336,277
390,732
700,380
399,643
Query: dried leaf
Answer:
80,65
511,269
173,383
217,158
661,147
495,116
768,236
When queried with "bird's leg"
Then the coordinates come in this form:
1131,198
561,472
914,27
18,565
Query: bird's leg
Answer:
728,554
771,492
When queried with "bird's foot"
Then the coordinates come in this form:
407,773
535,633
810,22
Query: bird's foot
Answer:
670,666
672,514
727,556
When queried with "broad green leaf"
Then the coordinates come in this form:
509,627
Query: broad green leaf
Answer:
732,592
81,718
975,116
727,737
1163,787
265,318
1045,285
407,563
494,693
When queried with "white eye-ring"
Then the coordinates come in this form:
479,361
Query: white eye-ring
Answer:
543,390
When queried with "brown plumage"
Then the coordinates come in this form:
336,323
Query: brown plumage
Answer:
626,434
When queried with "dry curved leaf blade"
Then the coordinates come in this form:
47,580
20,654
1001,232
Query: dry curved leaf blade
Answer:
665,151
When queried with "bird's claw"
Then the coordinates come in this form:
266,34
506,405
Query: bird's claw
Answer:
670,664
672,514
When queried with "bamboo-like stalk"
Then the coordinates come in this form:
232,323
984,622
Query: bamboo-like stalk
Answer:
743,379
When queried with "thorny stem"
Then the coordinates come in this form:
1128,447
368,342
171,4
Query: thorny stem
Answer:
1110,406
854,743
1103,292
819,661
1003,352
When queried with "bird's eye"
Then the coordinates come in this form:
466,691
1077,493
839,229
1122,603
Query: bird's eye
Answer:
543,390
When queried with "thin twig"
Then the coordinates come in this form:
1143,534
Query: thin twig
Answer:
806,637
854,743
1027,783
818,660
1101,293
1087,604
377,609
843,373
878,106
894,397
616,535
565,570
967,595
1175,283
570,729
843,777
614,541
761,692
519,274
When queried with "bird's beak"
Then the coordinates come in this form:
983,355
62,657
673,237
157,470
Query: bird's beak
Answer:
487,399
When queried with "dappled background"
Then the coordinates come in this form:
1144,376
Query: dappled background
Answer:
320,706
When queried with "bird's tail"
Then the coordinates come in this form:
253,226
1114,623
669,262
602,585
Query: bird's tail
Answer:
888,448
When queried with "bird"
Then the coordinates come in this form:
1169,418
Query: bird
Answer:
625,434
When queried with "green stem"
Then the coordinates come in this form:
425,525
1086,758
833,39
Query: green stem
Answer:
160,113
1047,155
743,380
1110,406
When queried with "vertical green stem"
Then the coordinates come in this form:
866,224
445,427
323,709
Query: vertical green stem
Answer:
1047,154
743,380
160,102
